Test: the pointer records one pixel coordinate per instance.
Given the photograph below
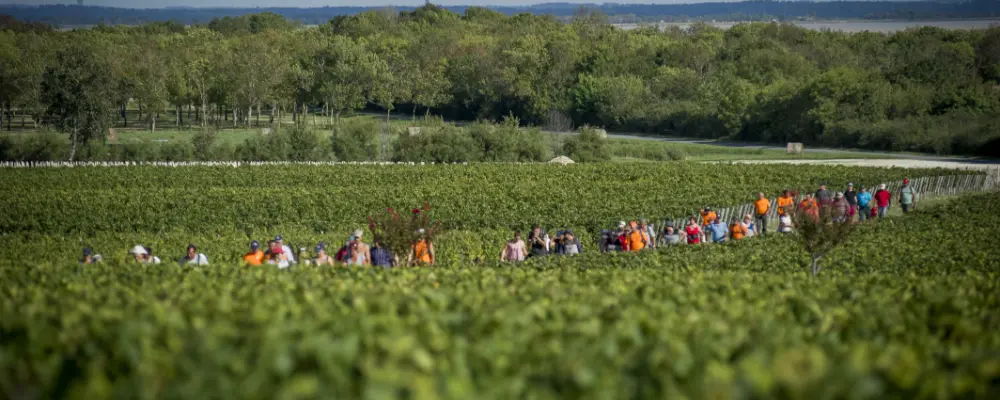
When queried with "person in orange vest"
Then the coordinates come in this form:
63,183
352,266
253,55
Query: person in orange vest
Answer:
422,251
737,230
255,256
762,205
786,203
636,239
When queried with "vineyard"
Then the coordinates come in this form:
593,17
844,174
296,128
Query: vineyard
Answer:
907,308
58,211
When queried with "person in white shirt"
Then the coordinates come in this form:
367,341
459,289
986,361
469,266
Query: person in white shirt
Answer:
287,250
785,224
194,257
143,255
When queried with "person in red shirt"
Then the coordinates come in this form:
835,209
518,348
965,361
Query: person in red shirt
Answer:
882,197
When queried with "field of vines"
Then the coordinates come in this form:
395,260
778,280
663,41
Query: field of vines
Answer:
908,308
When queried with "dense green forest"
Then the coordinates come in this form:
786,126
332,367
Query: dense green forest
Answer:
926,89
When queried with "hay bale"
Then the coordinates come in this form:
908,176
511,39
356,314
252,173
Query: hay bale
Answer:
265,131
794,148
562,160
413,130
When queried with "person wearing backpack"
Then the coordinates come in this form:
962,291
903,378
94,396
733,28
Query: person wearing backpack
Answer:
907,196
635,239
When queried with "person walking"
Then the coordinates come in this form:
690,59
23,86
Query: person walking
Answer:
538,242
882,200
636,240
648,233
321,257
718,230
514,249
840,208
823,196
255,256
907,196
275,255
358,257
422,250
737,230
362,248
751,228
286,249
786,203
671,237
864,204
571,243
785,224
381,256
707,216
693,232
193,257
762,205
851,196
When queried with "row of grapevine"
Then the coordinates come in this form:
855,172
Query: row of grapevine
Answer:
906,309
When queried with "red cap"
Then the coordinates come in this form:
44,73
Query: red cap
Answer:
906,181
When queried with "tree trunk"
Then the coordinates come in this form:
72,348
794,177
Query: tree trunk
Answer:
72,152
125,115
5,107
152,126
178,108
249,115
140,111
258,115
815,264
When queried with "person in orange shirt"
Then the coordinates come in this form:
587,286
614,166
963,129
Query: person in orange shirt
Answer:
422,251
762,206
786,202
737,230
707,216
255,256
636,239
810,207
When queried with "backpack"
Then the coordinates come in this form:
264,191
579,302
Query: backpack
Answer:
342,254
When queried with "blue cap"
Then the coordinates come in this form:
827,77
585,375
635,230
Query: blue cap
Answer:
87,251
320,247
279,238
255,245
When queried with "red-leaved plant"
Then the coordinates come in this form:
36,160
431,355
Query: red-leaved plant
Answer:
397,233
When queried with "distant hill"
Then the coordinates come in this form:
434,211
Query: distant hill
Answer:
72,15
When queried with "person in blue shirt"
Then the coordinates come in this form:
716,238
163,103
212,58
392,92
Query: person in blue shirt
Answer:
864,203
718,230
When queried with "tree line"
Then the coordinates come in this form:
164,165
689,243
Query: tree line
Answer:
766,10
925,89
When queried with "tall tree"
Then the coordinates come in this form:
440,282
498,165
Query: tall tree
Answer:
78,91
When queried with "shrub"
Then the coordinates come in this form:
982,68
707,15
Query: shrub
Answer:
588,146
445,144
355,140
203,142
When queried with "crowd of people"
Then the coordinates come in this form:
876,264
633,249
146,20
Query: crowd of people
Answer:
354,252
854,205
850,205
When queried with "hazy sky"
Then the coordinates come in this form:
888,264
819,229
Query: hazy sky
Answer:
321,3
